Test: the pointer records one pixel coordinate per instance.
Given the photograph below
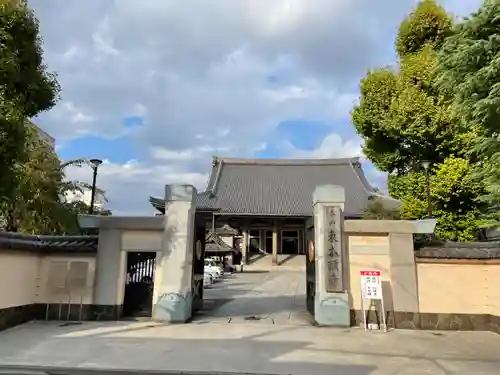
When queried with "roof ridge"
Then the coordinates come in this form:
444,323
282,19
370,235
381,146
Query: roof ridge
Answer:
217,164
285,161
360,174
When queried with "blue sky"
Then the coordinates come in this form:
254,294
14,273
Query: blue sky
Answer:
156,90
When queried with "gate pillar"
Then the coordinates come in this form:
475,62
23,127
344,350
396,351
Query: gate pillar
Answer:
174,281
331,301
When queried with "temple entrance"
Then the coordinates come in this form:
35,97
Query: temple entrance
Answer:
290,242
139,283
264,291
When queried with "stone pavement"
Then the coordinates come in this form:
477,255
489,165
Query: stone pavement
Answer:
221,340
249,347
274,295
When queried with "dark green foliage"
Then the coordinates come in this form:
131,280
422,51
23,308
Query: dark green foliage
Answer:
470,74
24,79
26,89
404,118
12,137
39,204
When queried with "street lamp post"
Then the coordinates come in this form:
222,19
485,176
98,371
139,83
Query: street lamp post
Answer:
426,165
95,163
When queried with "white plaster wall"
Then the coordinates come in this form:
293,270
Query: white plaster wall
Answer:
18,274
44,294
136,240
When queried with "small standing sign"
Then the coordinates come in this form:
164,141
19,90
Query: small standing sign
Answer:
371,290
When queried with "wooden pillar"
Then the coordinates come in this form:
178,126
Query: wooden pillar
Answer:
244,246
262,240
275,244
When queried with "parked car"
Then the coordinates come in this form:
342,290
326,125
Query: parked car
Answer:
212,266
212,273
207,279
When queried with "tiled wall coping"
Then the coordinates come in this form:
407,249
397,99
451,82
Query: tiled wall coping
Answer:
458,261
48,244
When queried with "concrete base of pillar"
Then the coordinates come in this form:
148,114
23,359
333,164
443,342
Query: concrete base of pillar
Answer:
173,308
332,310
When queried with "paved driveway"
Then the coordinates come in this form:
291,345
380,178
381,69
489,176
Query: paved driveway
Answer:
272,296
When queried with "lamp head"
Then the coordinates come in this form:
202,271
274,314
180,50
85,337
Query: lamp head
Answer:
426,164
95,162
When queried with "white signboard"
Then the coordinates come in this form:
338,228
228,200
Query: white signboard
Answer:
371,285
371,290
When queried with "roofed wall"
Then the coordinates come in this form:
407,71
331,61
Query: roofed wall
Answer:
40,270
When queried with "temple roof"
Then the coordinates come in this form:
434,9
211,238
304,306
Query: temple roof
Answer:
213,242
280,187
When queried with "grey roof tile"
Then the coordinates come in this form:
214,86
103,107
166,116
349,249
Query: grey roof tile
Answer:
280,187
284,187
460,250
226,230
204,202
19,241
213,242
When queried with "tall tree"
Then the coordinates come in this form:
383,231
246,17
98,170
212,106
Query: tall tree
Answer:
401,116
39,205
453,190
470,74
404,119
26,88
429,24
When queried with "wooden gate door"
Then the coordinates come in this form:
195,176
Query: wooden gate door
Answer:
138,299
198,263
310,270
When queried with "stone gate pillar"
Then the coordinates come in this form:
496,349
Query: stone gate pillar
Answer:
174,281
331,301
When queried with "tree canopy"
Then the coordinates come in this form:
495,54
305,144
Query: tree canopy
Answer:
428,24
39,204
32,178
26,88
404,119
470,74
453,189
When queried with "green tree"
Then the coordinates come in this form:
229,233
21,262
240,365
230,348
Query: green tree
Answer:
23,75
405,119
377,210
26,88
470,66
39,205
453,189
401,116
428,24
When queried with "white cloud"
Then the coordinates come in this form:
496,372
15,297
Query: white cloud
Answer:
222,73
198,65
332,146
129,185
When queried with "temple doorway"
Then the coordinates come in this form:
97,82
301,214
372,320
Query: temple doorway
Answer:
290,242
